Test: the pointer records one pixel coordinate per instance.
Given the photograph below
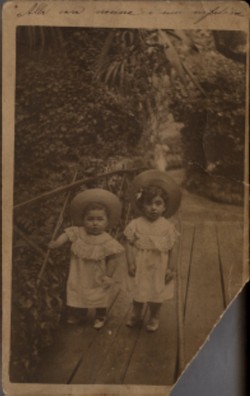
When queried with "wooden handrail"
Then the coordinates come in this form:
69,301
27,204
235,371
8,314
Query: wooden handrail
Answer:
58,225
73,185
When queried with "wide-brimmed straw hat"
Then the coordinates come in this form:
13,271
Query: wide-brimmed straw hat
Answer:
158,179
95,195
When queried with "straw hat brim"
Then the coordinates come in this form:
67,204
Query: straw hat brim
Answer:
95,195
158,179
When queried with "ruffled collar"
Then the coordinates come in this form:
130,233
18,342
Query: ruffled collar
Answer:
95,247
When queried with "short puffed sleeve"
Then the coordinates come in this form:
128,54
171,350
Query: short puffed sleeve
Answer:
130,231
72,233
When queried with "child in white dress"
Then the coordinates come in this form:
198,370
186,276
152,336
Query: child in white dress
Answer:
94,253
150,241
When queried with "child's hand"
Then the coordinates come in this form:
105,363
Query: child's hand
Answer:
132,270
54,245
169,276
63,238
107,281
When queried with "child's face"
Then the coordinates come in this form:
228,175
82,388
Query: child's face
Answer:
95,221
154,209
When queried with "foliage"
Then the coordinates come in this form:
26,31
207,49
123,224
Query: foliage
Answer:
213,135
231,44
140,62
35,308
63,113
35,311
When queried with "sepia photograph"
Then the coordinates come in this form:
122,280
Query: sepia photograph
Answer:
129,213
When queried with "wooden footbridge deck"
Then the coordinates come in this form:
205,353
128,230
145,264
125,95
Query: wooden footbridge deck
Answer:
210,273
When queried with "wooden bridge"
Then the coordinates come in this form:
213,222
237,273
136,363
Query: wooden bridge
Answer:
209,274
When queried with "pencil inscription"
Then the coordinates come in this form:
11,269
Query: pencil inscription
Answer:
36,9
217,11
43,9
72,11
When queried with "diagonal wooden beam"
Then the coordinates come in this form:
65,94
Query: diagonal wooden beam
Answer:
58,225
73,185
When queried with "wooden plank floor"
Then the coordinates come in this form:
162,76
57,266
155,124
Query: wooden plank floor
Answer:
210,265
205,300
231,257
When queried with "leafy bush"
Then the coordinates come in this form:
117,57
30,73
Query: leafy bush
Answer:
63,113
36,308
213,135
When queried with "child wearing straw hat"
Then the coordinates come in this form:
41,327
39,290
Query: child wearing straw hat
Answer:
94,253
150,239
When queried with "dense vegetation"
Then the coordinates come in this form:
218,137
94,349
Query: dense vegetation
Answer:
96,101
214,123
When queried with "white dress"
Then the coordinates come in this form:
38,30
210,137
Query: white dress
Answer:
152,242
88,267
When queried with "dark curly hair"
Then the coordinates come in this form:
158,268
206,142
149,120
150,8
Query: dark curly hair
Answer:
149,193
